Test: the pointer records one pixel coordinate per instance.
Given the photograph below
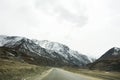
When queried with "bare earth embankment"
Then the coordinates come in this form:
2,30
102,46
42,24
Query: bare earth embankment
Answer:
14,70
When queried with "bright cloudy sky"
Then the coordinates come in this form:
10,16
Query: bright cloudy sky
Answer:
88,26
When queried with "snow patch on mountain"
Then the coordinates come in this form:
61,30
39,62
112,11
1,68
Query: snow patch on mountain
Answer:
64,51
116,51
8,40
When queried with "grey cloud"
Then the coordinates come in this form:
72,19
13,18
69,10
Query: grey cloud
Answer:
79,20
52,7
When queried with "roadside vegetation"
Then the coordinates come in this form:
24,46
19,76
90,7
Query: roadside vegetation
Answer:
14,70
104,75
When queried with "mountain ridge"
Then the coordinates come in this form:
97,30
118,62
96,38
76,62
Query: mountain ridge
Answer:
62,57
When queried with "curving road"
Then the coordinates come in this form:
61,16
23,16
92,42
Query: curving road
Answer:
59,74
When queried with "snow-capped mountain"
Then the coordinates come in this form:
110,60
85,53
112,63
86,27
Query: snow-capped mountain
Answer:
8,40
42,52
64,51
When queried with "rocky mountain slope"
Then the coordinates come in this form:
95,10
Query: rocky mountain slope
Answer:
108,61
65,52
112,54
40,52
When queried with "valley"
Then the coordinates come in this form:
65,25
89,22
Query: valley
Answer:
25,59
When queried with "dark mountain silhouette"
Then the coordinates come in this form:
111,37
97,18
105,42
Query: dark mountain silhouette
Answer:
110,61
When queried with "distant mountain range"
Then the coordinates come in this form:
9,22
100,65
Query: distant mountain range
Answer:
109,61
40,52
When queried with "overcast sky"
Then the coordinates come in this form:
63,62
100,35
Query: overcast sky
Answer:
88,26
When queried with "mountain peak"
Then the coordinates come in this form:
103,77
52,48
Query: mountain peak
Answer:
9,40
116,48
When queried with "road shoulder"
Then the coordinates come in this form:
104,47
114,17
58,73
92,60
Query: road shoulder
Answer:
39,76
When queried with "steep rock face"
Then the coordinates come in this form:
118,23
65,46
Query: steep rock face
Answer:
109,61
63,50
54,54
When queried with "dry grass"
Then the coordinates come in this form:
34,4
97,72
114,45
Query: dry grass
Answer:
96,73
13,70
